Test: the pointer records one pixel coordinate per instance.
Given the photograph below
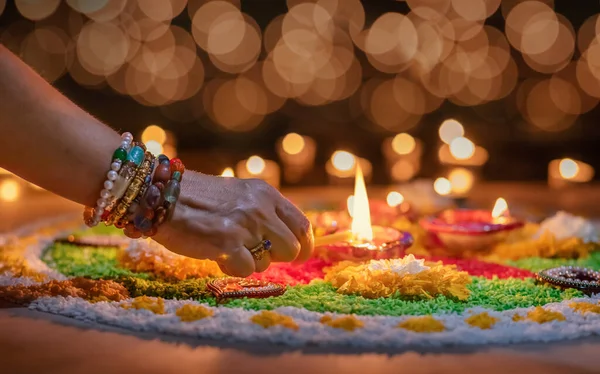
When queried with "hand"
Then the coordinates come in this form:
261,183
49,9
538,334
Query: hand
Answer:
220,218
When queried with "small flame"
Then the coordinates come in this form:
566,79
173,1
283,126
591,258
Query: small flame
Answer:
228,172
361,219
500,208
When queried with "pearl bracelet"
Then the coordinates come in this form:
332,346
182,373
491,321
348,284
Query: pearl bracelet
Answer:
93,216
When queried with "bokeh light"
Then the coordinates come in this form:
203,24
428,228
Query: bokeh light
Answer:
403,170
154,147
209,63
10,190
155,133
35,10
228,172
255,165
450,130
442,186
394,198
292,143
343,160
461,180
462,148
403,144
568,168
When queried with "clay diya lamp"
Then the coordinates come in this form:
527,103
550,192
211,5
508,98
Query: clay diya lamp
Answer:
362,241
462,231
386,243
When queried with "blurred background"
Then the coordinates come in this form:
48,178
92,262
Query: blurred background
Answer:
298,92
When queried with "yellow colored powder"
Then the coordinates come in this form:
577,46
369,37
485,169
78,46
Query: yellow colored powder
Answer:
583,308
267,319
351,279
157,260
521,244
541,315
517,318
155,305
426,324
191,313
348,323
12,261
482,320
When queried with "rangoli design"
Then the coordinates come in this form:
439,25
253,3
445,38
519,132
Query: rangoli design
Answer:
533,286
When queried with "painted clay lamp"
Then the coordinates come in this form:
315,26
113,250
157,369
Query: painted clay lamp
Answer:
467,230
363,241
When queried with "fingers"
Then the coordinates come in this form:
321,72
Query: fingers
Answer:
299,225
237,262
263,263
284,244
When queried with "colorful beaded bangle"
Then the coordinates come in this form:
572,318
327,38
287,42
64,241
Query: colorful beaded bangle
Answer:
133,189
92,216
133,160
158,200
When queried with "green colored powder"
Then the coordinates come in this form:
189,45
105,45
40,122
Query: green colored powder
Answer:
496,294
536,264
183,290
89,262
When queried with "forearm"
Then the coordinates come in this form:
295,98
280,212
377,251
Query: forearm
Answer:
48,140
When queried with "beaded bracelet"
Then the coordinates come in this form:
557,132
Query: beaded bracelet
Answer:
140,192
132,161
92,216
158,201
132,191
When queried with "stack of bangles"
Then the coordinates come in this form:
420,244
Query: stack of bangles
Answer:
140,191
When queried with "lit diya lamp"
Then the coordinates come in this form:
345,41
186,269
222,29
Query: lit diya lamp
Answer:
466,230
363,241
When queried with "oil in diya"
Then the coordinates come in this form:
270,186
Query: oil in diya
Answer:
363,241
464,231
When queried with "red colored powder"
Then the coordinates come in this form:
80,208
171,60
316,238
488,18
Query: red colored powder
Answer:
291,274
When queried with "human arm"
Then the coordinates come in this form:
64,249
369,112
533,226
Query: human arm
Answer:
51,142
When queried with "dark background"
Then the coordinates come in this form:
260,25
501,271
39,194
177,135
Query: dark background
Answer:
518,151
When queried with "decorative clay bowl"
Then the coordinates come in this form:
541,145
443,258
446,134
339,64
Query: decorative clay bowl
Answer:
467,230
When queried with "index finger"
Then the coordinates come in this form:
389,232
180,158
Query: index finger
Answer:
300,226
